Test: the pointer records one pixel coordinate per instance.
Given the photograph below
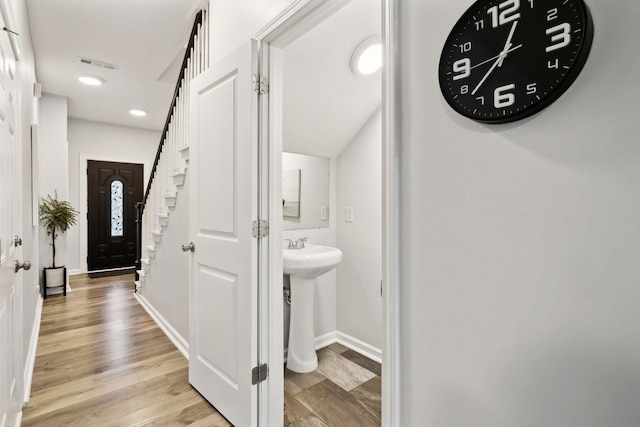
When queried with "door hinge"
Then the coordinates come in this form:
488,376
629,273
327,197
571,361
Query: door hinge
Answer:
260,84
260,228
259,373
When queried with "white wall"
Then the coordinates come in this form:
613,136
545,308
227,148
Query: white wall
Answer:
233,22
100,141
54,169
166,287
520,243
359,186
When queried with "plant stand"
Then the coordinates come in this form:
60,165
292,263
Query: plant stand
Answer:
54,284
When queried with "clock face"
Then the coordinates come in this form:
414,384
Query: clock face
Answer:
508,59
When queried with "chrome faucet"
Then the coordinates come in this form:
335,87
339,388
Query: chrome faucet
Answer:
299,244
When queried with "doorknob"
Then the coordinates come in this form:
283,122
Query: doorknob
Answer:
17,240
190,247
26,265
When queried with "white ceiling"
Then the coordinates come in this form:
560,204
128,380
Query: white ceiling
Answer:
325,104
141,37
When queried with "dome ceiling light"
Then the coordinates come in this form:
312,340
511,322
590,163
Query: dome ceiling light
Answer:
367,57
91,80
137,112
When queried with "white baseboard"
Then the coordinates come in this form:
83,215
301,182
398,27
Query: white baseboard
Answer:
30,361
74,272
181,344
325,340
348,341
358,346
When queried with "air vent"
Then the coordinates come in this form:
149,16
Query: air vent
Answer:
98,64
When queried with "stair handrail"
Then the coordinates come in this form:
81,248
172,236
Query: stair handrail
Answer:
140,206
163,137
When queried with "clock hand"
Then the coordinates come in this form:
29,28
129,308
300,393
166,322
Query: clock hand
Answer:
493,67
503,54
497,56
508,44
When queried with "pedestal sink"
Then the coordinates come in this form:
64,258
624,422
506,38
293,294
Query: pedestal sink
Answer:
303,266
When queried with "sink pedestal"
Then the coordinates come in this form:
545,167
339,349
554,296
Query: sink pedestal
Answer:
303,265
301,356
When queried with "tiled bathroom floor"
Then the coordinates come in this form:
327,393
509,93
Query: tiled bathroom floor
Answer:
343,392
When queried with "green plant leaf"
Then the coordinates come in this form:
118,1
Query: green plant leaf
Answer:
57,216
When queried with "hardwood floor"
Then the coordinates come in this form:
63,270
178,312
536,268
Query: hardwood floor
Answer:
102,361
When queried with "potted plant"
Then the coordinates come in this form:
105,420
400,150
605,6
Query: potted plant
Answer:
57,216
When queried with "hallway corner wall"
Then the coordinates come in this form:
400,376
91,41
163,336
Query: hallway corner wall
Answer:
53,158
519,243
359,176
100,141
166,287
233,22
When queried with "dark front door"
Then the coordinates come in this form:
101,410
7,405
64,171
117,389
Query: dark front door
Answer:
113,190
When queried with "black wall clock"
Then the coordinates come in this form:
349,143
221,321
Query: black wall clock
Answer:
505,60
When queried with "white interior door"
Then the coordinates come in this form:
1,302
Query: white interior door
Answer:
10,205
223,204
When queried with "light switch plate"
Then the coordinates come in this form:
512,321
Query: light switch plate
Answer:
348,214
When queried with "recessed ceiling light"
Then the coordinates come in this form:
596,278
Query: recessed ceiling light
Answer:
137,112
91,80
367,58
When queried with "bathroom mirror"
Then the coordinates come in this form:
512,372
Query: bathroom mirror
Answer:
308,178
291,193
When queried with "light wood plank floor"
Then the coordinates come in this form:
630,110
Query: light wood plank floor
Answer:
102,361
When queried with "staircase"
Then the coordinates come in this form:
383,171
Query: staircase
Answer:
169,170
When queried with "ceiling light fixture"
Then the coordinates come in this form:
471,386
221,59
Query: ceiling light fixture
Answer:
367,58
91,80
137,112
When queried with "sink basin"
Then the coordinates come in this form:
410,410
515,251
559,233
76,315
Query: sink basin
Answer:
310,261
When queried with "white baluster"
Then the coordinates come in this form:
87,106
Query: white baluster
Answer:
206,39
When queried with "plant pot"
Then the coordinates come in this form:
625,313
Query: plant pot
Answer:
55,277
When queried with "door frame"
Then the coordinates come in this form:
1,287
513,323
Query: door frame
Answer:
83,201
290,24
